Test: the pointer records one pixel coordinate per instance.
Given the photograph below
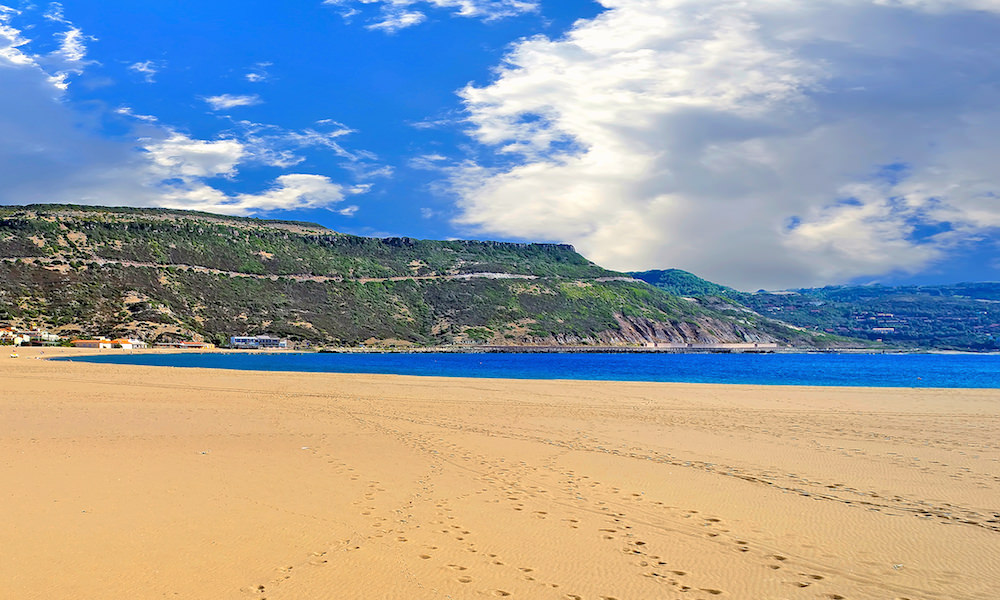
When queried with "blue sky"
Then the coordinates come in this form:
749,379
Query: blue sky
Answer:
768,144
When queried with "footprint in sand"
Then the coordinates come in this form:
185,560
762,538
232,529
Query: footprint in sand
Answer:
465,579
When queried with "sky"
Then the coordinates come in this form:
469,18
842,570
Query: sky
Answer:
770,144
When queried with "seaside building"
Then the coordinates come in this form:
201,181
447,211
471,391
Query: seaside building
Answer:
258,342
16,338
186,345
28,337
128,344
99,343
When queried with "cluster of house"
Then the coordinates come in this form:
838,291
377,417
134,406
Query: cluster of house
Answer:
125,344
255,342
36,337
132,344
27,337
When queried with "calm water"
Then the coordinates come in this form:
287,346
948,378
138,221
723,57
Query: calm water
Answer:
877,370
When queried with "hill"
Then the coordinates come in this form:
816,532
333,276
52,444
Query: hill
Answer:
172,275
964,316
682,283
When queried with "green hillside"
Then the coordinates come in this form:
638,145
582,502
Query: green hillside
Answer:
171,275
964,316
682,283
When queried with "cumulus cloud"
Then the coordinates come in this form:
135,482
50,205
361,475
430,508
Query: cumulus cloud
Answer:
50,152
394,15
289,192
179,156
227,101
761,144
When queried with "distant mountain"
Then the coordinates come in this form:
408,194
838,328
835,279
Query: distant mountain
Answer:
174,275
963,316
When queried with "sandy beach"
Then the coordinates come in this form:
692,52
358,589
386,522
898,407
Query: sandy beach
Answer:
150,482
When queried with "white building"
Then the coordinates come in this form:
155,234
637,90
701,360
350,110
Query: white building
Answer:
128,344
257,342
101,343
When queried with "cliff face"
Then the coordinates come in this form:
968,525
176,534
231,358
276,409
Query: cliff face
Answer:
159,274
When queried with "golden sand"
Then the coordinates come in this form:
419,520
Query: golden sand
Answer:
139,482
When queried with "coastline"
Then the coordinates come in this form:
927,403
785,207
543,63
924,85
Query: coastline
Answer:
149,481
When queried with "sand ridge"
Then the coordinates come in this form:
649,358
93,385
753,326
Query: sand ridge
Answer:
147,482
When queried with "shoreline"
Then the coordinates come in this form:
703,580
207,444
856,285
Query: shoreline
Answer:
834,381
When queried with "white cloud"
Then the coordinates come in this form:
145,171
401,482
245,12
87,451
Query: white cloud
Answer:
72,47
394,19
227,101
394,15
147,68
50,152
69,58
258,73
289,192
277,147
429,162
759,144
11,40
183,157
127,111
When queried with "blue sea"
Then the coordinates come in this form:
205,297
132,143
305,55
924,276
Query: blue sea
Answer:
870,370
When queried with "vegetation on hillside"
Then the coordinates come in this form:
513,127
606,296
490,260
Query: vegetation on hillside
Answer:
167,275
253,246
682,283
964,316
